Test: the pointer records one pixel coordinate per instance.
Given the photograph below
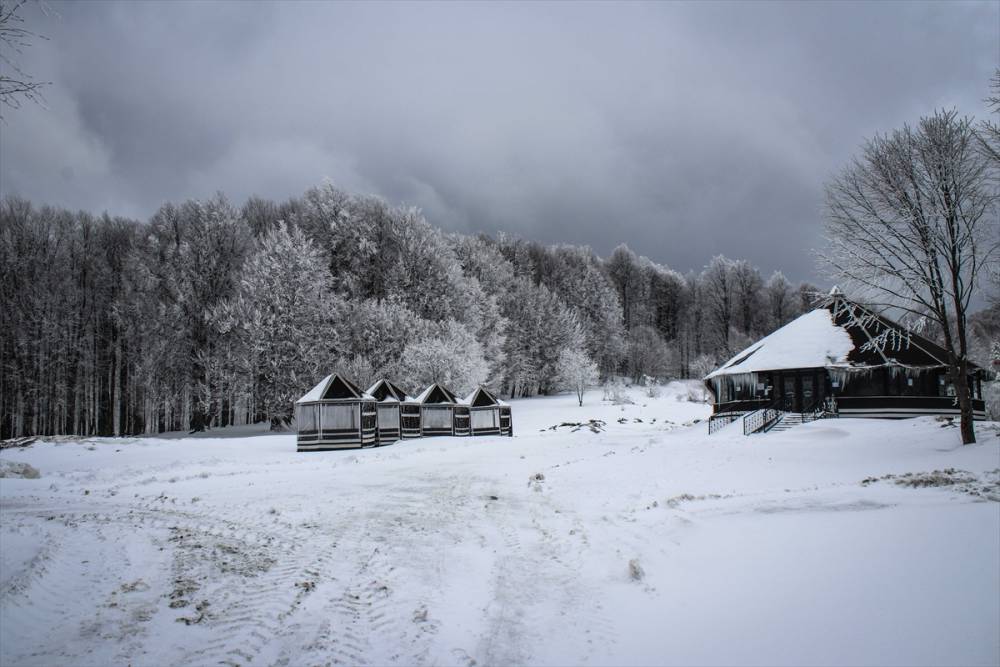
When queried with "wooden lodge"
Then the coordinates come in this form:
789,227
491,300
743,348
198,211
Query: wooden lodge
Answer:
839,360
335,414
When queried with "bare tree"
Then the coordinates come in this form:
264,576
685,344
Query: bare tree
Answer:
990,129
911,223
16,85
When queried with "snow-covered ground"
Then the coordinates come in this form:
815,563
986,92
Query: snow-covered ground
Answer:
788,548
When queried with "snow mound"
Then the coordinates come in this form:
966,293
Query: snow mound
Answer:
17,469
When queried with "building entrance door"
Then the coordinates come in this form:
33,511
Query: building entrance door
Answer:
789,393
808,392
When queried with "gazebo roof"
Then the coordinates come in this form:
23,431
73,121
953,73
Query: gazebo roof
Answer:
436,394
387,392
481,397
334,387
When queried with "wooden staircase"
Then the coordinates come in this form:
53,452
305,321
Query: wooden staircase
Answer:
792,419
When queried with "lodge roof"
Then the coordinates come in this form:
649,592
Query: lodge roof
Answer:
838,334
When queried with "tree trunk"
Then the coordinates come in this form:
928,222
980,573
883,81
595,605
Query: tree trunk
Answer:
964,395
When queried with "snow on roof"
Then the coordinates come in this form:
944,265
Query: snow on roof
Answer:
393,388
316,392
427,392
809,341
468,400
422,396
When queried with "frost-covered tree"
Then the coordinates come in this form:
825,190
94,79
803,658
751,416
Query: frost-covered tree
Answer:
720,298
195,252
648,353
541,327
447,353
911,222
376,332
285,318
748,287
624,269
990,128
132,334
779,297
576,372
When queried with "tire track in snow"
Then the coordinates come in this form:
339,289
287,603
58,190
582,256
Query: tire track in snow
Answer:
550,597
70,596
369,617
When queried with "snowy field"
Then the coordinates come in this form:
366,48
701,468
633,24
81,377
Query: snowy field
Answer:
826,544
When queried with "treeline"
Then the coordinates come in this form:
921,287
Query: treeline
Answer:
211,315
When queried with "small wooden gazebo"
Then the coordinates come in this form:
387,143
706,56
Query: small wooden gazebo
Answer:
391,399
441,413
335,414
488,414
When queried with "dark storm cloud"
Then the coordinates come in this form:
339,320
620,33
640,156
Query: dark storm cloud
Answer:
683,130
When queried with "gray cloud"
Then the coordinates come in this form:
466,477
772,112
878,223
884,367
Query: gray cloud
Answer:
683,130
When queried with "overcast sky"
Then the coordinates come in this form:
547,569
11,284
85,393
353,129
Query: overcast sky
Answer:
684,130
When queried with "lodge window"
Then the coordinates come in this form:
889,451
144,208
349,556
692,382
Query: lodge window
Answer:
945,388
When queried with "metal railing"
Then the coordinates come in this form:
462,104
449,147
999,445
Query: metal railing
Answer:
715,422
763,419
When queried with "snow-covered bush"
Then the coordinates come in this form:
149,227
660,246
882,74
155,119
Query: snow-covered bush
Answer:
702,365
696,393
614,391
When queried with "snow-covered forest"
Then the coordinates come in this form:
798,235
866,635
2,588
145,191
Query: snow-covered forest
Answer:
213,314
217,314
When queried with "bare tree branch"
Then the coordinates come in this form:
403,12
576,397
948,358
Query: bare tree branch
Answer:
912,223
16,85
